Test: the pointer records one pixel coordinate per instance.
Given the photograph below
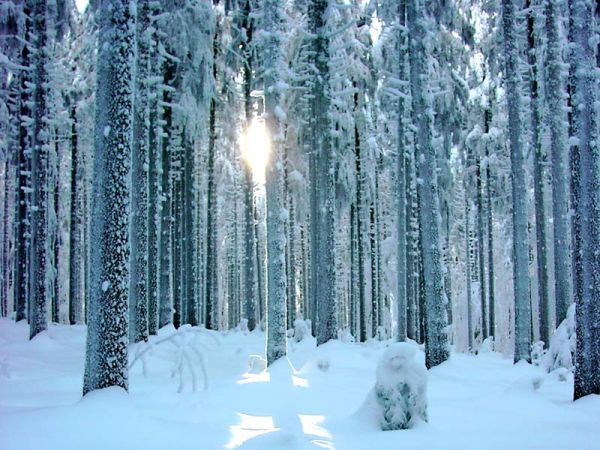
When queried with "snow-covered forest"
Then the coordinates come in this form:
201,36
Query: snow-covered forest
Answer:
290,224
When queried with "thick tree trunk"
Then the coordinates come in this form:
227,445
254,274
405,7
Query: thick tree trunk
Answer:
436,350
276,270
138,289
40,251
520,245
106,354
587,318
557,122
538,176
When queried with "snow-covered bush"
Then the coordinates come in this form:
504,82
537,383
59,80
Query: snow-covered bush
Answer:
256,364
562,344
346,336
301,329
401,388
537,353
243,326
187,355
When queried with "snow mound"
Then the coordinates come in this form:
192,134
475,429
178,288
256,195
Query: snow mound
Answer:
301,329
562,344
399,398
256,364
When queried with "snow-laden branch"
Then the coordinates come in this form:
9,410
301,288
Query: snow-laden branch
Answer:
187,356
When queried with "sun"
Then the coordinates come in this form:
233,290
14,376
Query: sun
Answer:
255,147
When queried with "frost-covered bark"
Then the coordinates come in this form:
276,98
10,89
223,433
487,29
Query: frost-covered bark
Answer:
360,225
587,313
23,212
436,345
272,22
250,290
40,252
401,265
165,136
557,124
490,227
153,223
323,179
538,173
211,297
76,227
154,195
138,289
106,353
520,242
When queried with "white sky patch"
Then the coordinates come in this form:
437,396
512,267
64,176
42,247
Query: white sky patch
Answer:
375,28
81,5
255,145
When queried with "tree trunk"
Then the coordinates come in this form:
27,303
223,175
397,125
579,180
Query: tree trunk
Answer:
587,318
520,246
557,122
106,353
40,251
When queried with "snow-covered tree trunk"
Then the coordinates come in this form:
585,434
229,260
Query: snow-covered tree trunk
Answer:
360,227
587,318
107,341
401,266
40,251
323,177
153,222
76,226
480,247
412,248
154,195
490,226
190,270
23,199
166,130
468,267
577,270
520,242
272,21
557,121
211,281
538,172
250,290
138,290
436,349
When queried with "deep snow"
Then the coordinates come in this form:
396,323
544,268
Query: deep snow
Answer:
474,402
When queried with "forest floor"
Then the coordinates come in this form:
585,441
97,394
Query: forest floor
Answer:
475,402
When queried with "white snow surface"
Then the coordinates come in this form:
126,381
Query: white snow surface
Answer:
310,401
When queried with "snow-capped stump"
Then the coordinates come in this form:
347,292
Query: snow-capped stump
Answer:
401,388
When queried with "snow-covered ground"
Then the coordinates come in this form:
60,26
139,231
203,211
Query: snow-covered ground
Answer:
475,402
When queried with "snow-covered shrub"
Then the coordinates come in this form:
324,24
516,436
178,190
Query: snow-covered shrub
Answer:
302,329
346,336
401,388
187,357
256,364
537,353
243,326
487,345
562,344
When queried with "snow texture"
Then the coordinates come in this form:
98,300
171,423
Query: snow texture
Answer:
474,402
